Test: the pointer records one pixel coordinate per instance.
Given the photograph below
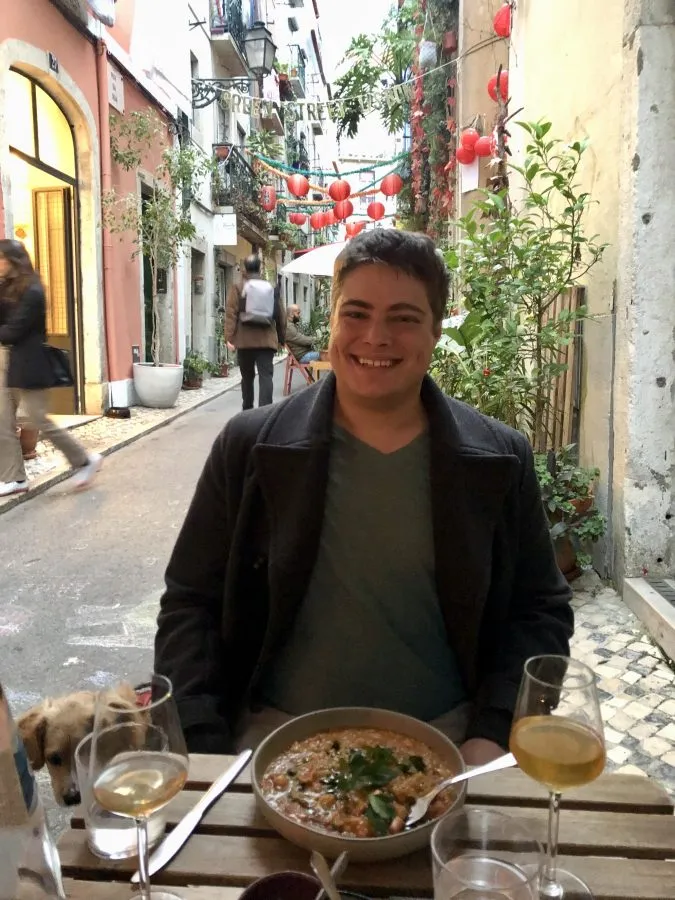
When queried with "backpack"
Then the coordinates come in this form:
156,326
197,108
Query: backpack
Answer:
256,306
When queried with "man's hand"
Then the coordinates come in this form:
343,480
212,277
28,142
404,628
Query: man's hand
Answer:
230,346
478,751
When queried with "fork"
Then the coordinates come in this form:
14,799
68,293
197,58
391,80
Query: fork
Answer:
421,806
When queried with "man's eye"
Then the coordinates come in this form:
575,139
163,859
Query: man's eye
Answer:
352,314
55,759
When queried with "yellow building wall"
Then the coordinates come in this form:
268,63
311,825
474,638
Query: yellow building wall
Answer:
481,55
565,66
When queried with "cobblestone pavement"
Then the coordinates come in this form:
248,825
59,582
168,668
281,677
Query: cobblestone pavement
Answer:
636,683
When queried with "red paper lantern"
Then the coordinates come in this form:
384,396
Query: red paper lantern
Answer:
343,210
354,228
268,197
300,218
468,138
391,185
503,86
484,145
298,185
339,190
502,21
317,220
376,210
464,155
329,218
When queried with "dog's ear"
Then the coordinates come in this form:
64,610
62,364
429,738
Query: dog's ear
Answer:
32,726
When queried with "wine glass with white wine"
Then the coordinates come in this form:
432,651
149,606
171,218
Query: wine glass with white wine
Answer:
138,763
557,739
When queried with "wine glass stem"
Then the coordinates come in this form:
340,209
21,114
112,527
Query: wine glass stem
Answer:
143,861
550,887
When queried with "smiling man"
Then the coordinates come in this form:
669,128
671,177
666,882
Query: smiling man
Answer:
366,542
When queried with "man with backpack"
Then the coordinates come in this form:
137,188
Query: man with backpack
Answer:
255,325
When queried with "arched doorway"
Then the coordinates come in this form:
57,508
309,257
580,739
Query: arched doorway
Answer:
43,175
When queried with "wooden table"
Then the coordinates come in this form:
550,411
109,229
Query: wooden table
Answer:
618,834
322,365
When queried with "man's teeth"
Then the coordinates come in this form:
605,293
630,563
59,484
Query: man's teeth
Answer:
376,363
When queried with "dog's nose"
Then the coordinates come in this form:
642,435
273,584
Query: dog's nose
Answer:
71,797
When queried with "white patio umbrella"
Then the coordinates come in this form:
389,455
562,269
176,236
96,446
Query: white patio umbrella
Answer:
319,261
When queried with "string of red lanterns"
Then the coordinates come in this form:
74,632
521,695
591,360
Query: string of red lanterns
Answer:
339,191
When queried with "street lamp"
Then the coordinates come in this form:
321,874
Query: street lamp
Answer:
260,50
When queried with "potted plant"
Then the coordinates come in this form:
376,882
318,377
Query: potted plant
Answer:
194,366
575,521
161,228
516,260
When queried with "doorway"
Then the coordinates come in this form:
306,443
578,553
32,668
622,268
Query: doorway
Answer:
43,176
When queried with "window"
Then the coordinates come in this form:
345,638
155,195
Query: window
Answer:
194,74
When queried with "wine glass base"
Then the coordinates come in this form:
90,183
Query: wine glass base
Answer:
568,887
156,894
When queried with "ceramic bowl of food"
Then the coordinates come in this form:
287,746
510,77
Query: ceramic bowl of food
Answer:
345,779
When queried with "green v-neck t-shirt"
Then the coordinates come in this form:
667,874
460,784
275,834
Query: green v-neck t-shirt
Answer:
370,630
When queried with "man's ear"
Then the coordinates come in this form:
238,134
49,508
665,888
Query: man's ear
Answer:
32,727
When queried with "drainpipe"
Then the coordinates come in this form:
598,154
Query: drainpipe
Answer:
106,185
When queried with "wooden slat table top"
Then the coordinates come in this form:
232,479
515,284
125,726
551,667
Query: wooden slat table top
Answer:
618,834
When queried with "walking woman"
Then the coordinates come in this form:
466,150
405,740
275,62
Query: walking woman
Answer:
25,374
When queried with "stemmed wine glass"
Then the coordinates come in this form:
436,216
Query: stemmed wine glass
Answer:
557,739
139,762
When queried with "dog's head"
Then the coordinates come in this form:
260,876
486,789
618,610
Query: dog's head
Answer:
52,730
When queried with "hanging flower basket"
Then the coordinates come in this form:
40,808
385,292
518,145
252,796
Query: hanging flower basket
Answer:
428,54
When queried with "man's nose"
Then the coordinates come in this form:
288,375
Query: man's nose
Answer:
72,797
377,331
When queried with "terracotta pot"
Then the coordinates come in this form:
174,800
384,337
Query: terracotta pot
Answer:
582,505
566,557
192,384
29,438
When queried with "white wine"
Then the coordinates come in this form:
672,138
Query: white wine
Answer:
556,751
138,783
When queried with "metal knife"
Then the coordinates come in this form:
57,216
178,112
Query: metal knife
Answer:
176,838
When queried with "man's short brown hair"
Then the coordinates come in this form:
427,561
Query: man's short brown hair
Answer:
414,254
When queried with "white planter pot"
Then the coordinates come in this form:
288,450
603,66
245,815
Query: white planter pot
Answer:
157,386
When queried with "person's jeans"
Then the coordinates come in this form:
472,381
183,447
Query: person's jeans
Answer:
263,361
312,356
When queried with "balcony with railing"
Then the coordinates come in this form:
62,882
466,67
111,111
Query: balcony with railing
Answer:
228,33
236,184
296,71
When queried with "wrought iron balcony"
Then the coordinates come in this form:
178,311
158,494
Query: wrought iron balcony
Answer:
296,72
237,185
227,19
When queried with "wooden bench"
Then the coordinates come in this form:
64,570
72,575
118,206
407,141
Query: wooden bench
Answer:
618,834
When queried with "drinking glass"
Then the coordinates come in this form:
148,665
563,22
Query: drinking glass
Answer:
138,763
557,739
110,836
482,854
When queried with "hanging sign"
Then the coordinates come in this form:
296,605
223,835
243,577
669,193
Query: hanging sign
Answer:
308,110
225,230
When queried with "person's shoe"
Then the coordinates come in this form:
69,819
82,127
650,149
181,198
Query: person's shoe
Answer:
12,487
84,476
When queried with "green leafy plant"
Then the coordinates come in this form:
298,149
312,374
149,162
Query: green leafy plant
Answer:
567,492
195,364
372,59
161,225
513,262
264,143
319,324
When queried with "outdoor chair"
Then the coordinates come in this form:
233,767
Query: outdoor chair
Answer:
294,365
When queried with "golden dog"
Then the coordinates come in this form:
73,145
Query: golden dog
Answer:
52,730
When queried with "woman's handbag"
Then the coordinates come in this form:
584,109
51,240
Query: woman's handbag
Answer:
59,364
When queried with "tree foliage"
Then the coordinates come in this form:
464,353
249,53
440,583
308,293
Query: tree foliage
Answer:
375,60
160,224
512,262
